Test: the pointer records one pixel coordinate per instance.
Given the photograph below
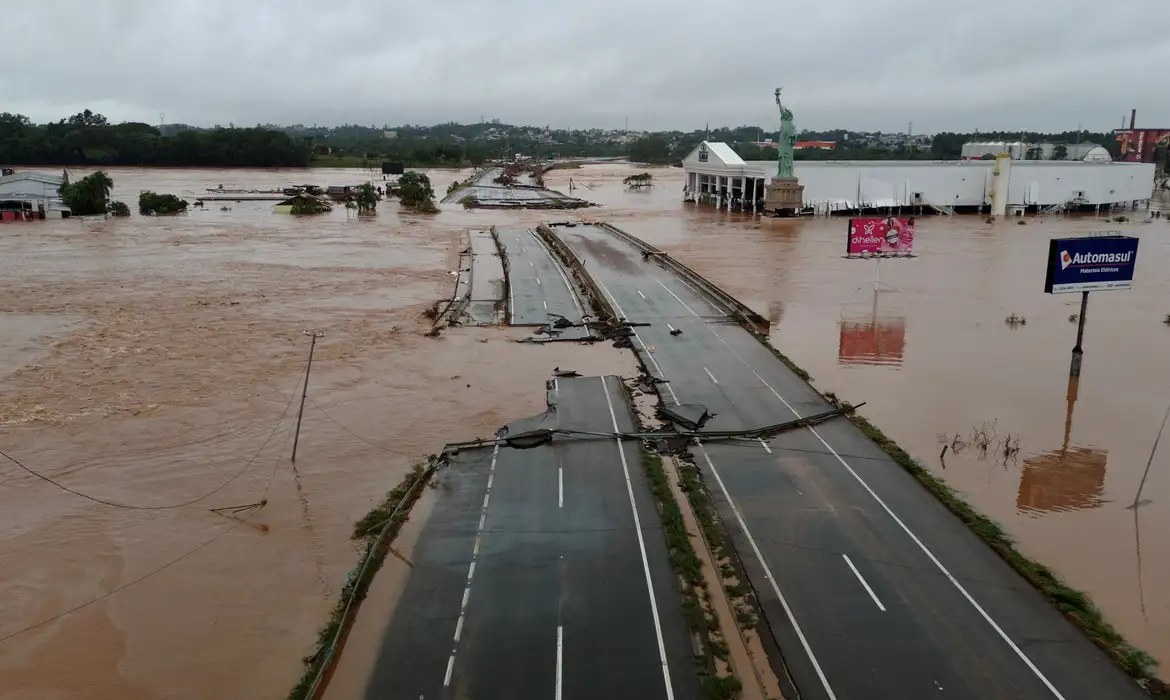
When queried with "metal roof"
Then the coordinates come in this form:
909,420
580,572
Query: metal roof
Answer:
39,177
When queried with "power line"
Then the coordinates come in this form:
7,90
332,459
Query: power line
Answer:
172,506
164,567
359,437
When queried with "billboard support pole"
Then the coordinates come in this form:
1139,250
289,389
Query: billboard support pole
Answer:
1074,369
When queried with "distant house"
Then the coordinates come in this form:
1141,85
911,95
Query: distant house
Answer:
31,195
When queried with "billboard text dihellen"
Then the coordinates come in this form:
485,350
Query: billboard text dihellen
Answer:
880,236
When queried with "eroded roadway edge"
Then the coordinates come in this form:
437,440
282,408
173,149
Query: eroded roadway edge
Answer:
543,573
871,587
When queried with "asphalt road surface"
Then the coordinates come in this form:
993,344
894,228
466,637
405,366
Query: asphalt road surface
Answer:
871,587
542,573
538,286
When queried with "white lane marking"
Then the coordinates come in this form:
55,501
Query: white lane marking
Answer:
639,291
511,302
641,546
670,326
560,271
545,305
538,280
925,550
765,446
560,487
863,582
712,376
637,337
560,647
450,668
471,568
771,579
530,264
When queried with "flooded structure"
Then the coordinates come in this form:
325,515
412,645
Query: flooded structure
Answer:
715,173
26,196
510,187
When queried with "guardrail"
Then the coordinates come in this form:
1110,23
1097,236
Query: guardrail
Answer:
733,306
361,583
576,269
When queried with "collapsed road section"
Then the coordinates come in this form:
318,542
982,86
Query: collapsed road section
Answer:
508,275
870,587
510,186
542,570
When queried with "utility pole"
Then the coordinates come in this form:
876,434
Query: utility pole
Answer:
305,390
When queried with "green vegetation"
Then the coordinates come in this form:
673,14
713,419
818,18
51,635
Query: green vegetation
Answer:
376,531
367,200
151,204
696,597
1059,152
118,209
415,192
89,196
307,205
89,139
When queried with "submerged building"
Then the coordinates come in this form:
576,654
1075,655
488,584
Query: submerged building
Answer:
715,174
26,196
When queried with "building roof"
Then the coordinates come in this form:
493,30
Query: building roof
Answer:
38,177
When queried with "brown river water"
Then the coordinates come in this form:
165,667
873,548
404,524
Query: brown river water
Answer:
154,363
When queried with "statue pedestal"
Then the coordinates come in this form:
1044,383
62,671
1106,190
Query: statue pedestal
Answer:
785,196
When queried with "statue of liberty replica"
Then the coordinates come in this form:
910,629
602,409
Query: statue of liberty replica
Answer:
785,196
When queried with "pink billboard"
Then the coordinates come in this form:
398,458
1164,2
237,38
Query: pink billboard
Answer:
880,236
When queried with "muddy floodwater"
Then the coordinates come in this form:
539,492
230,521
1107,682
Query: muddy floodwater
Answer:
153,365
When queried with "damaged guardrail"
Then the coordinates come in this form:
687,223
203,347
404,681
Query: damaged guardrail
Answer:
540,436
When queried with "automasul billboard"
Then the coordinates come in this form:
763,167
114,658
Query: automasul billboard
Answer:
1093,264
880,236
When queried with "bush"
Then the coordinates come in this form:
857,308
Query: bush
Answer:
367,199
88,196
152,204
415,192
118,209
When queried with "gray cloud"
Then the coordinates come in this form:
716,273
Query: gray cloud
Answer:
863,64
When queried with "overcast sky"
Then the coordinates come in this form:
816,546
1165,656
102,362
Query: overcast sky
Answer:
945,65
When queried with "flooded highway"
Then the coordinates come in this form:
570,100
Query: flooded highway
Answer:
150,361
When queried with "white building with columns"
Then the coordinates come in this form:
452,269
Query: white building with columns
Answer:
715,174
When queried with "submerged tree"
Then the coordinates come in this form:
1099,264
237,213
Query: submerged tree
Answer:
1060,152
636,182
90,195
118,209
367,200
152,204
415,192
308,204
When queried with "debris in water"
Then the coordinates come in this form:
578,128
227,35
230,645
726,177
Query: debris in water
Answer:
1072,318
676,331
1015,320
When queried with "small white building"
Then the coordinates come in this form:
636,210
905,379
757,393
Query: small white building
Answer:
35,193
714,173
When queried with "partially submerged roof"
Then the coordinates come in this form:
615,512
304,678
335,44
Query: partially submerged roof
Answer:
36,177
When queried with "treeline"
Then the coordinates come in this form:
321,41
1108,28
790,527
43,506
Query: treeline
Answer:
88,138
667,148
